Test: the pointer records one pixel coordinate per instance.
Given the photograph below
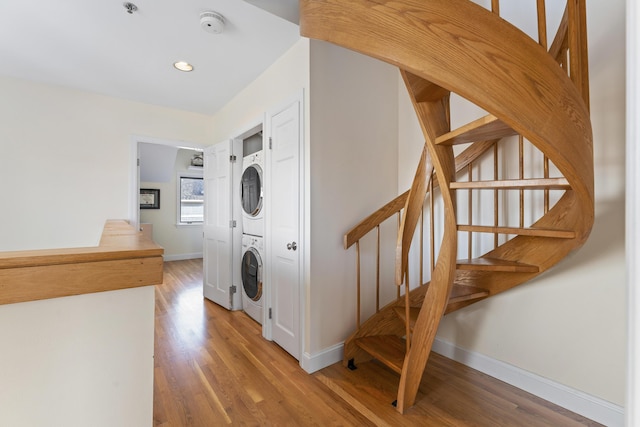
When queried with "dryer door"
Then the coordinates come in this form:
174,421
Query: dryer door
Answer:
252,190
252,274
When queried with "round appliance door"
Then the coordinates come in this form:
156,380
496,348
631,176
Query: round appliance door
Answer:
252,274
252,190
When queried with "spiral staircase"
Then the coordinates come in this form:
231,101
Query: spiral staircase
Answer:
535,96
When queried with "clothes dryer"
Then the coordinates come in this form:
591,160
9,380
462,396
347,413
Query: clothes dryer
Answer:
251,273
252,194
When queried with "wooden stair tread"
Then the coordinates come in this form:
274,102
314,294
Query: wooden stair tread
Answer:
495,264
485,128
459,293
515,184
388,349
521,231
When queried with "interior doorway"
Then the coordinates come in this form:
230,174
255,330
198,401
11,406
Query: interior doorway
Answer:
159,180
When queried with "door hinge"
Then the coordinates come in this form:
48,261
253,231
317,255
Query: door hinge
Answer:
233,223
232,158
270,143
269,312
138,162
233,289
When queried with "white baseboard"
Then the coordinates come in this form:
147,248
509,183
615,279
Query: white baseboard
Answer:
180,257
314,362
576,401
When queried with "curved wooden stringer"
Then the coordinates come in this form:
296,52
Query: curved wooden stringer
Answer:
455,46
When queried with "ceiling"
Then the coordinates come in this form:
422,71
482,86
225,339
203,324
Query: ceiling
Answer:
97,46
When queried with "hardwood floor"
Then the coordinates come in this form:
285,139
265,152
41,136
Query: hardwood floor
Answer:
212,367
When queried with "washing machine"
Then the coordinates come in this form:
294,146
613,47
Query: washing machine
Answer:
251,194
251,273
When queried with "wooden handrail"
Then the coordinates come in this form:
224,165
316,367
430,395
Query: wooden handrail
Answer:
123,259
471,153
375,219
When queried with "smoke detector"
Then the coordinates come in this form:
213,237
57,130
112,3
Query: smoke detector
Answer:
212,22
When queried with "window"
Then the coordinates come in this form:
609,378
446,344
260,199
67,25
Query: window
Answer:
191,203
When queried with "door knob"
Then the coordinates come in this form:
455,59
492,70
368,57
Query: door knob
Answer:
292,246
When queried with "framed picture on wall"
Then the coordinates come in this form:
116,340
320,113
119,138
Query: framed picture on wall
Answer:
149,198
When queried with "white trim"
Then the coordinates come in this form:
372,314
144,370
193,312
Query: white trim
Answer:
180,257
574,400
632,212
327,357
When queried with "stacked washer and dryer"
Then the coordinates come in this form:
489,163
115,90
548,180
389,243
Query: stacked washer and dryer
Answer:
252,227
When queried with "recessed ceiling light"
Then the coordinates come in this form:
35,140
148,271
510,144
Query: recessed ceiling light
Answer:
183,66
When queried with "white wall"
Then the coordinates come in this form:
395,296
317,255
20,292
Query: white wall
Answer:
568,325
64,169
277,84
179,242
353,172
78,361
632,410
65,160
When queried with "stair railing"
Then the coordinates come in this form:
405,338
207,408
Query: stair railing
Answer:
396,207
520,99
373,222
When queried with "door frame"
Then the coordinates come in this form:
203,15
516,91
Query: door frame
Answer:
632,412
267,331
134,169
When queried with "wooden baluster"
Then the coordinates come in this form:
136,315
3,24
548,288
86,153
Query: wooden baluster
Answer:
542,24
469,210
422,247
378,269
358,284
546,190
495,194
399,228
578,58
521,176
584,55
407,310
432,245
577,54
495,7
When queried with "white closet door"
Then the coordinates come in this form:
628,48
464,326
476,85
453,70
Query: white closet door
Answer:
285,247
221,245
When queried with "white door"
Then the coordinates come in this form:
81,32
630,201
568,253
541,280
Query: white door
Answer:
221,251
284,232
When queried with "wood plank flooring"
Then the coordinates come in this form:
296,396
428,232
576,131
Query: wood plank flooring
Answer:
213,368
